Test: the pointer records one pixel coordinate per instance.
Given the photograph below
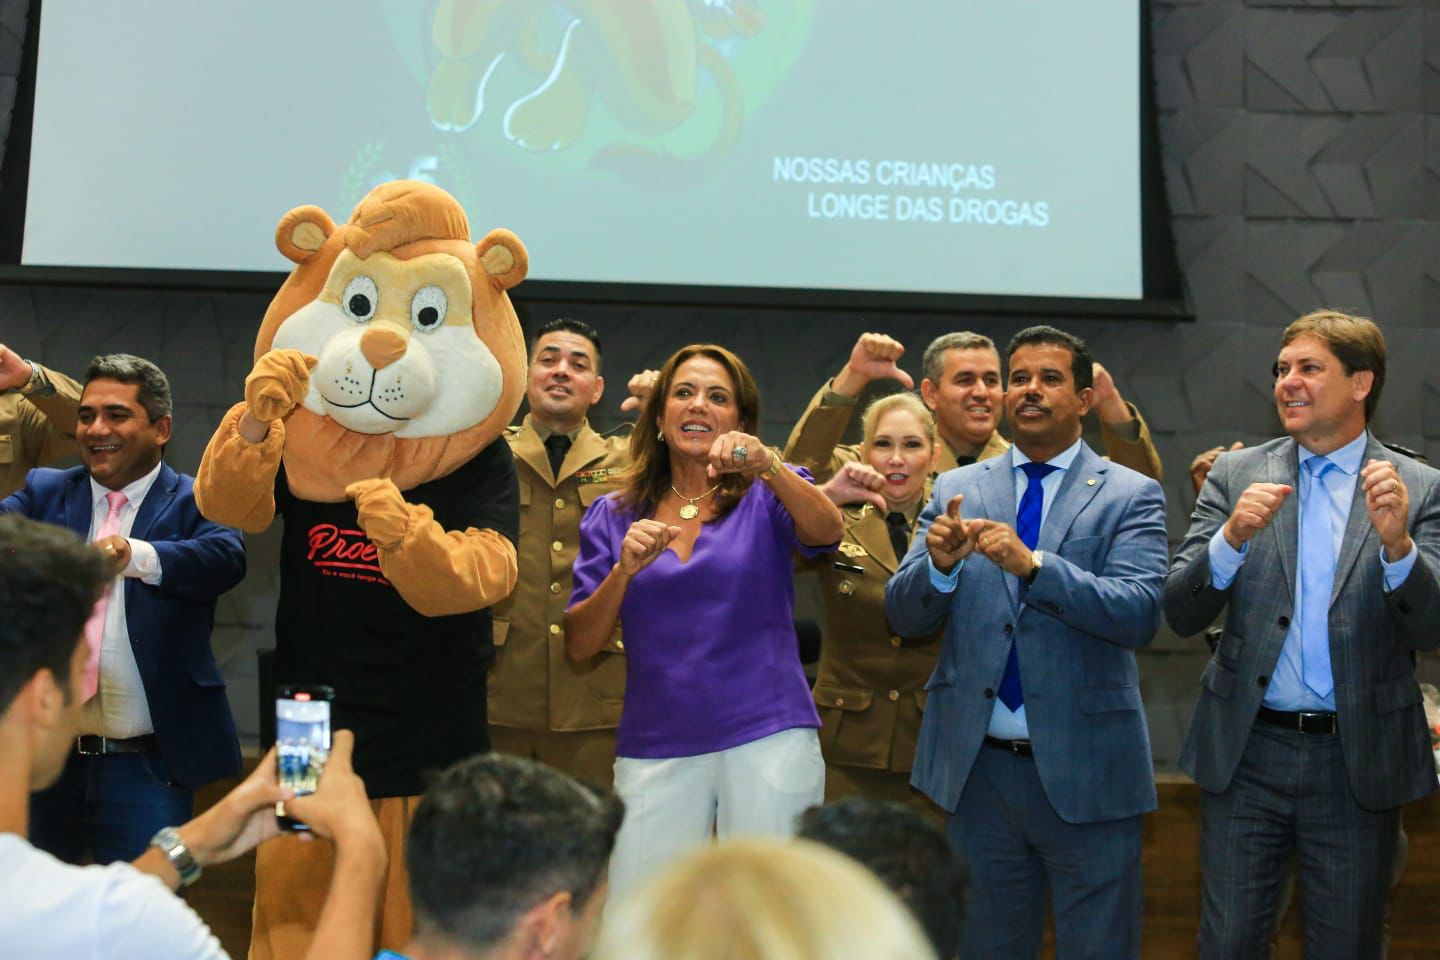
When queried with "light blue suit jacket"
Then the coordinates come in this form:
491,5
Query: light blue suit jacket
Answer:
1094,602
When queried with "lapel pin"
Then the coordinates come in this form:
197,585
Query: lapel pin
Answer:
1090,482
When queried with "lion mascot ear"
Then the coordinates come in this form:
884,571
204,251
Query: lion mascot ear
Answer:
504,258
302,232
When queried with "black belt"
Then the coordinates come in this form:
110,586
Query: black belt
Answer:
1306,721
1021,748
90,745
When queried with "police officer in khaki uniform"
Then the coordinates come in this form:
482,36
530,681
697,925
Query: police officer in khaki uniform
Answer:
542,704
870,682
38,408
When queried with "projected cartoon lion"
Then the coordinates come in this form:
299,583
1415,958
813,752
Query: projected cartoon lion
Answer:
644,61
385,369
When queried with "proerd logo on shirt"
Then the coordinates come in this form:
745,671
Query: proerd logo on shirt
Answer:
348,554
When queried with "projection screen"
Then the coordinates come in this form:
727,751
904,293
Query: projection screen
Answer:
954,146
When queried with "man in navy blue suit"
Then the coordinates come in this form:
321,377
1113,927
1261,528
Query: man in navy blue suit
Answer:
156,723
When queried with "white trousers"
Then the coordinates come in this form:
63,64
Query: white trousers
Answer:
674,805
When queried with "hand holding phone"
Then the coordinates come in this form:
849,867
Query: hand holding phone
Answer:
302,742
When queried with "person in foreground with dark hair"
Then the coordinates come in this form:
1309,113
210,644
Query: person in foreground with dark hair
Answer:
910,854
155,722
1045,567
1322,549
49,581
507,859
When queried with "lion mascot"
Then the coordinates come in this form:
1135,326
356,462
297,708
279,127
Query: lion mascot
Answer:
385,370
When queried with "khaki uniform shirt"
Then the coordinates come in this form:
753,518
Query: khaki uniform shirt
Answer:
533,684
36,426
870,684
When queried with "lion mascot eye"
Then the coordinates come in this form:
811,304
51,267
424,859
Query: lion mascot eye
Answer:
427,308
360,299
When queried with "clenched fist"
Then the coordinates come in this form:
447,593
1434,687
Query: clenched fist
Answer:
644,541
384,515
856,483
1254,510
278,384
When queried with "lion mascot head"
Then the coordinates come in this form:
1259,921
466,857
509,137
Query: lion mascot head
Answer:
420,361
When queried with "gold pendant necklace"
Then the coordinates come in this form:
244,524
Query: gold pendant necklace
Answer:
690,511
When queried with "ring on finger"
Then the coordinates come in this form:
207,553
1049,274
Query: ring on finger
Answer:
740,454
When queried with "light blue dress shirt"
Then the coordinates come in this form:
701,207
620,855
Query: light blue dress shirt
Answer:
1286,689
1007,724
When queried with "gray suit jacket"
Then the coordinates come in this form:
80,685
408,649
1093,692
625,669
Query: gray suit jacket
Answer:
1372,634
1095,601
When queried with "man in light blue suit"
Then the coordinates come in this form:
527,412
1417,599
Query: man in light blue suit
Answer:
1322,548
1047,563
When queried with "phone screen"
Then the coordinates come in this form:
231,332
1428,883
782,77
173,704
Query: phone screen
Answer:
302,742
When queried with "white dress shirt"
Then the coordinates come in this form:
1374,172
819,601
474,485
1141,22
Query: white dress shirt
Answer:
119,708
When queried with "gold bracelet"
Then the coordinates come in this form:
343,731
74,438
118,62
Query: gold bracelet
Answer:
773,468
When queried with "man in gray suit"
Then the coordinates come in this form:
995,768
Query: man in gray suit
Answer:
1048,563
1322,548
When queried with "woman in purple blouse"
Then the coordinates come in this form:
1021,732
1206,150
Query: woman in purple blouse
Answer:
693,556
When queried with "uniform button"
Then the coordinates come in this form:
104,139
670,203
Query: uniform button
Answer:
989,694
554,588
1283,621
1261,681
895,641
619,644
1196,588
554,629
893,694
845,588
559,503
839,701
1009,629
557,546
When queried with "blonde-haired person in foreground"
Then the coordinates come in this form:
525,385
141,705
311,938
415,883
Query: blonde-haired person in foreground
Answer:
762,899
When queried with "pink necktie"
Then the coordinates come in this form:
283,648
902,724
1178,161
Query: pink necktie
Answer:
95,626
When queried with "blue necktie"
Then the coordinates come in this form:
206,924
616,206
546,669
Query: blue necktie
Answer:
1317,576
1027,525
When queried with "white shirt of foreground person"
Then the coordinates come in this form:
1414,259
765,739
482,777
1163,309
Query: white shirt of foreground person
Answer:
53,910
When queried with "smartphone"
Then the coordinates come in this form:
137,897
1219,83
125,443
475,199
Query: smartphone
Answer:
302,741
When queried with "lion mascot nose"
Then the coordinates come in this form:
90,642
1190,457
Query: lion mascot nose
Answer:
382,346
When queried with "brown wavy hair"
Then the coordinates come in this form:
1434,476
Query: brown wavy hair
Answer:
648,478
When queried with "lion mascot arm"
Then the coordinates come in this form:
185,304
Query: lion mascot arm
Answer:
235,485
438,572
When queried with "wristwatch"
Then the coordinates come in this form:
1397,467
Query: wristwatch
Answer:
1037,560
170,844
773,468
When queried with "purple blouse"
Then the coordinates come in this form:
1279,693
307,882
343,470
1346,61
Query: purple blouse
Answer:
710,646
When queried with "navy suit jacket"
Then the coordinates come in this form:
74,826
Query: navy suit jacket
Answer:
170,623
1095,600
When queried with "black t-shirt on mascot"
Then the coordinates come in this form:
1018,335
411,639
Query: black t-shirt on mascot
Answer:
415,705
